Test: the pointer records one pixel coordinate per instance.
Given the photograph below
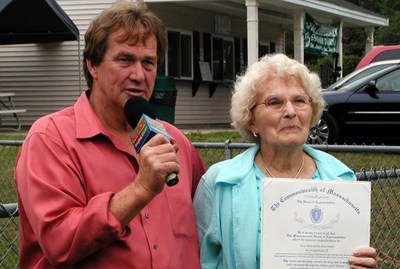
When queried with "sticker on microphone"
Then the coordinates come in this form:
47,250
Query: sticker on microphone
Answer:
145,130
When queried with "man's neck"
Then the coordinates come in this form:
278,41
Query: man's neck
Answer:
112,118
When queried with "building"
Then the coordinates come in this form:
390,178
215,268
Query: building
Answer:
209,42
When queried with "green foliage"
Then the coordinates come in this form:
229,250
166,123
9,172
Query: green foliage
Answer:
349,63
389,35
354,41
386,35
314,63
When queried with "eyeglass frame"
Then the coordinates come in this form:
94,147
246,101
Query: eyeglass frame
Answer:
310,101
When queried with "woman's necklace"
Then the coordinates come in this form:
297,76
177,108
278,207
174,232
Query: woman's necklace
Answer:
269,172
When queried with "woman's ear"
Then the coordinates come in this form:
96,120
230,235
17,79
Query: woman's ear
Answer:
251,127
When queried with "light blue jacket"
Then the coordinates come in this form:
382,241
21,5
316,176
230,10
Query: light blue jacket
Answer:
226,208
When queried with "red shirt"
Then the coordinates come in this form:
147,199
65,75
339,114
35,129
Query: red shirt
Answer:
66,172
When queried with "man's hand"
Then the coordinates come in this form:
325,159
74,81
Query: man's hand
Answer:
157,160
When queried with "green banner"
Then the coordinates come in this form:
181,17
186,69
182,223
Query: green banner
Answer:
320,39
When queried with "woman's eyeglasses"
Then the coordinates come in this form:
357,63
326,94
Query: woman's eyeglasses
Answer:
276,103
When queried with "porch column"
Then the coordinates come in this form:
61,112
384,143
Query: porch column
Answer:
339,48
369,44
252,31
298,38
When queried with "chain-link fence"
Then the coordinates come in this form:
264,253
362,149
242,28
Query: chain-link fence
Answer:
372,163
9,243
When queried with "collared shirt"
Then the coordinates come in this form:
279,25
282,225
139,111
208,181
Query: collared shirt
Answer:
66,172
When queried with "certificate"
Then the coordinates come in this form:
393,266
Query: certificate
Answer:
313,224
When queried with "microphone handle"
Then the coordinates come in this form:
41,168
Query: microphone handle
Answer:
171,180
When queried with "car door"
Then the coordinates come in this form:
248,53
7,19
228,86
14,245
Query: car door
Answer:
373,112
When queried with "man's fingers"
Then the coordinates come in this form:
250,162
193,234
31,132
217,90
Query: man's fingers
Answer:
157,159
156,140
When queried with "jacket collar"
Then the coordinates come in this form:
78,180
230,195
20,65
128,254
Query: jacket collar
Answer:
328,166
237,169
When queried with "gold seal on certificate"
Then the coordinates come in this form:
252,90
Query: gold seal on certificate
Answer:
313,224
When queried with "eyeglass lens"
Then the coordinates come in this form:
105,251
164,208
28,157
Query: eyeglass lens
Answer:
278,102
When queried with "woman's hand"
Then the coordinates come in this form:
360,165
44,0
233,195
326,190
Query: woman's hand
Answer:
363,257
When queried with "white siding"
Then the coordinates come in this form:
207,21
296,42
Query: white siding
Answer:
43,76
201,109
47,77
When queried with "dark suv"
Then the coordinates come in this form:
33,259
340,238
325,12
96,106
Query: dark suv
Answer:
364,111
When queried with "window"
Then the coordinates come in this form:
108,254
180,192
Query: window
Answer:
179,58
389,82
272,48
222,58
227,56
387,55
263,49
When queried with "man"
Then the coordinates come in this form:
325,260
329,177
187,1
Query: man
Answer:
86,199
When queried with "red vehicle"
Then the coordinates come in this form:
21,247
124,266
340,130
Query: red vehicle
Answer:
380,53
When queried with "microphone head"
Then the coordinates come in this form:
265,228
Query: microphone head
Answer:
135,107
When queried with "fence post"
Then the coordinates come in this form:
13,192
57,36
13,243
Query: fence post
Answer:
228,151
9,210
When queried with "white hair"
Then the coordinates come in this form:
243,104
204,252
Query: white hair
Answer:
250,84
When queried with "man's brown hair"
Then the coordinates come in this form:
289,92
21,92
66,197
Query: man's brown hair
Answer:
138,22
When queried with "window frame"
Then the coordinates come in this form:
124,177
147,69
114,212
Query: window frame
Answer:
180,58
224,39
263,44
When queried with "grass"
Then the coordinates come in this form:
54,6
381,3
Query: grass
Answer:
219,136
12,137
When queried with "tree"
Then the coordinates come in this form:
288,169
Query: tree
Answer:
354,41
389,35
385,35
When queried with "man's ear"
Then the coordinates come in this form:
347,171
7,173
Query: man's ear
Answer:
92,69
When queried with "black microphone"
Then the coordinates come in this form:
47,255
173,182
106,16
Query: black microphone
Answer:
141,118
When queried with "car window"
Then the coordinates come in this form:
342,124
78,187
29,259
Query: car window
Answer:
350,77
387,55
368,72
389,82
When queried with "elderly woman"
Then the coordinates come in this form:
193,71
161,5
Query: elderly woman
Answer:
274,104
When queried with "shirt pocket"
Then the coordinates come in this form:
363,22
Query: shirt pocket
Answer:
181,209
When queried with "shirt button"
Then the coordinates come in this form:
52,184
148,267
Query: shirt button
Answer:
147,216
155,246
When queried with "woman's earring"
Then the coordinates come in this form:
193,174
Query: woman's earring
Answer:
255,134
